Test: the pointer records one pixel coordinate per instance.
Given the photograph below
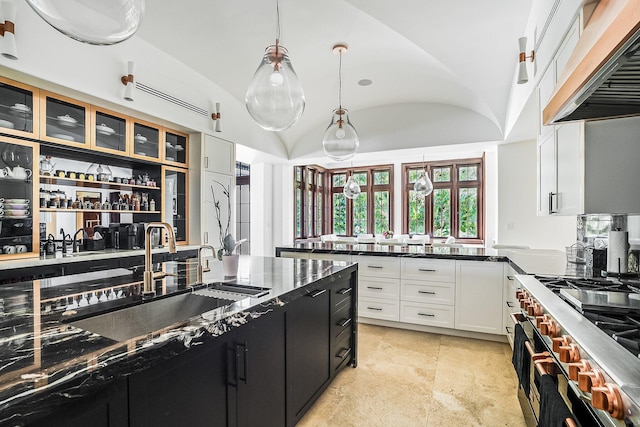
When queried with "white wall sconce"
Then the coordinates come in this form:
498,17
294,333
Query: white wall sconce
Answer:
128,81
216,118
7,30
522,61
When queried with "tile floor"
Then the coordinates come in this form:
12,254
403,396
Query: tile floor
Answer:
418,379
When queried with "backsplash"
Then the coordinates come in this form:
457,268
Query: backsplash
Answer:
591,227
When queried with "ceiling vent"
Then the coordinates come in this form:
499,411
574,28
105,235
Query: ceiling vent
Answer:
172,99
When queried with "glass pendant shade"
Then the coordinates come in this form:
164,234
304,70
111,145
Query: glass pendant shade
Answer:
340,141
351,188
423,185
99,22
275,99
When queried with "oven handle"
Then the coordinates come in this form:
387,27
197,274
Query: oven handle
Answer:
541,367
517,318
536,356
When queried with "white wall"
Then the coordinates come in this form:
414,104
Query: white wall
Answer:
517,219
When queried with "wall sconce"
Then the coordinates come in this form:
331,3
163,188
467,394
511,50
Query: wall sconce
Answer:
7,31
216,118
522,60
128,81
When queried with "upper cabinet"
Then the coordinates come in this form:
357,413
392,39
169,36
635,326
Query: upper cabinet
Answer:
110,132
146,141
219,155
64,120
176,146
18,108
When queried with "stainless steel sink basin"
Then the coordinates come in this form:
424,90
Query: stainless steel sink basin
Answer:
131,322
232,291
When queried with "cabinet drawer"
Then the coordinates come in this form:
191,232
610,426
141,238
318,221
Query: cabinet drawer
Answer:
378,267
428,292
379,288
342,351
341,297
435,270
379,309
341,321
427,314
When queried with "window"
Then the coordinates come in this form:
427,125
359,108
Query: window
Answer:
370,211
243,207
456,205
310,206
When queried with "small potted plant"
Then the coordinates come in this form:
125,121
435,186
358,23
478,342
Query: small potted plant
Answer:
387,234
228,244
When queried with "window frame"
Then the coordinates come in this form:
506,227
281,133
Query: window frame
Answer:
454,185
305,171
370,189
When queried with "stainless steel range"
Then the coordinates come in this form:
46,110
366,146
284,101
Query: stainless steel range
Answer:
586,335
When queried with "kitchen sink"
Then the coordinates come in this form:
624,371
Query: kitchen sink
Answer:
131,322
232,291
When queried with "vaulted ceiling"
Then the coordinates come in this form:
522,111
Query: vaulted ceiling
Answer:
442,71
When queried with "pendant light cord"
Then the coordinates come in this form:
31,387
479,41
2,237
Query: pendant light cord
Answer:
340,82
277,24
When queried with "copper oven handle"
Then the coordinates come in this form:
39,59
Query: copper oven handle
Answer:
569,422
541,365
517,318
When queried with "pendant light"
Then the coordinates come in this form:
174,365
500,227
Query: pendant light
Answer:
423,185
351,188
102,22
340,141
275,99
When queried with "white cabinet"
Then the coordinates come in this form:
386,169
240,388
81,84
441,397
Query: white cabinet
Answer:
218,155
560,170
216,184
478,299
434,270
378,287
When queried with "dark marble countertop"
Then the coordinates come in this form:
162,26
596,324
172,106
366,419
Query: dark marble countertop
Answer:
44,359
524,261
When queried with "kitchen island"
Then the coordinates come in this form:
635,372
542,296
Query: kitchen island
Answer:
234,350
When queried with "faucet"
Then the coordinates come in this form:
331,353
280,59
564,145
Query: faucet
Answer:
202,269
64,240
76,241
148,290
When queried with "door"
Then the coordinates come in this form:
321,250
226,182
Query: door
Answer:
547,184
259,358
308,351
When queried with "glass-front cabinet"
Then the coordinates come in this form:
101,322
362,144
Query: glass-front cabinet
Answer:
174,201
109,132
18,236
18,107
146,141
175,149
64,120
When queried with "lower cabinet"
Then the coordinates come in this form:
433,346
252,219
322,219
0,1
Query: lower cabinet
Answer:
479,301
308,352
188,389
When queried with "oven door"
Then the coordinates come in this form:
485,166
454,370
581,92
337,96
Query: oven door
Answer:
541,360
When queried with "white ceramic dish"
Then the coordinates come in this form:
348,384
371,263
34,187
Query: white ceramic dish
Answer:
179,148
171,159
103,129
20,201
17,206
67,120
20,108
140,138
63,136
169,145
6,124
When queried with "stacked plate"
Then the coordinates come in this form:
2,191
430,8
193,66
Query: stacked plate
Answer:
15,208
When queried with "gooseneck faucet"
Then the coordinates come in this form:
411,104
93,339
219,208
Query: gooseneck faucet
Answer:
149,289
202,269
64,240
76,241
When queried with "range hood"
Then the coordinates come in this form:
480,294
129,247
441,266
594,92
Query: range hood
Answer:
602,78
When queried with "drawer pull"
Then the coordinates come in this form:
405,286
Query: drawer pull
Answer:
426,314
344,322
343,353
344,291
374,266
427,292
430,270
374,287
510,278
510,304
374,308
317,293
508,330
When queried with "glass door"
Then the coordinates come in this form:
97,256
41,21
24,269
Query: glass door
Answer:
64,120
18,108
109,132
176,148
18,236
174,201
146,141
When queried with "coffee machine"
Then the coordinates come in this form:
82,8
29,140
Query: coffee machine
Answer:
129,236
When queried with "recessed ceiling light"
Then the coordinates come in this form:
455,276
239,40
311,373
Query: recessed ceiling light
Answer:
365,82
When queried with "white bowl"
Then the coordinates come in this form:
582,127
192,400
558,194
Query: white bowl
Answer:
103,129
67,120
6,124
140,138
20,108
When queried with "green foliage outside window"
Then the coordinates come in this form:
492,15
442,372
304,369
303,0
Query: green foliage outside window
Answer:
416,213
339,214
468,212
381,211
360,214
441,212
